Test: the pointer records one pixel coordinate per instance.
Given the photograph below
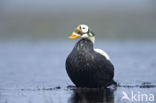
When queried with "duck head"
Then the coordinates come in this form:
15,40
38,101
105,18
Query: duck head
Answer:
83,31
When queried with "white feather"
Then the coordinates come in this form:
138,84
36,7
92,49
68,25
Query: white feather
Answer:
84,28
92,39
84,36
102,53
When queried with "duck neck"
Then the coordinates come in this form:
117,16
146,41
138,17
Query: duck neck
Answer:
92,39
84,44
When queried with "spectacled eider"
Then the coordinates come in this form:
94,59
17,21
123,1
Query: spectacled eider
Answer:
86,66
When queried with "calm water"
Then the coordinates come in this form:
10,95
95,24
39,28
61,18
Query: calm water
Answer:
34,72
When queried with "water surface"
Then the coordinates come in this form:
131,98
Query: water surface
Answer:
33,72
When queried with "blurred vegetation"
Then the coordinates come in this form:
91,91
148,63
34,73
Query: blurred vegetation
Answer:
46,19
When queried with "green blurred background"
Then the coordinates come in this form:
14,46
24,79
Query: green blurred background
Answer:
56,19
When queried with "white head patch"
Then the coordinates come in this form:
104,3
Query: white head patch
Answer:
84,28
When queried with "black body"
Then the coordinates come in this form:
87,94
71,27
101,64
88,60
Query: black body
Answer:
87,68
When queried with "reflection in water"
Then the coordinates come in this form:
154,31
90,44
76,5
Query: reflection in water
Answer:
85,95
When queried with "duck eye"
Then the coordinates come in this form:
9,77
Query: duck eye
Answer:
84,28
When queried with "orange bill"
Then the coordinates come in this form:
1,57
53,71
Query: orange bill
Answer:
73,36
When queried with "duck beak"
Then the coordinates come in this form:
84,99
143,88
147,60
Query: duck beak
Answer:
74,36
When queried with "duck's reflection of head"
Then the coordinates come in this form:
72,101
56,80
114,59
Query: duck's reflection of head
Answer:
85,95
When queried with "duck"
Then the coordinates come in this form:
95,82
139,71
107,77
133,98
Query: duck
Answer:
88,67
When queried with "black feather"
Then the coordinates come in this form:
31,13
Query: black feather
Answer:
87,68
